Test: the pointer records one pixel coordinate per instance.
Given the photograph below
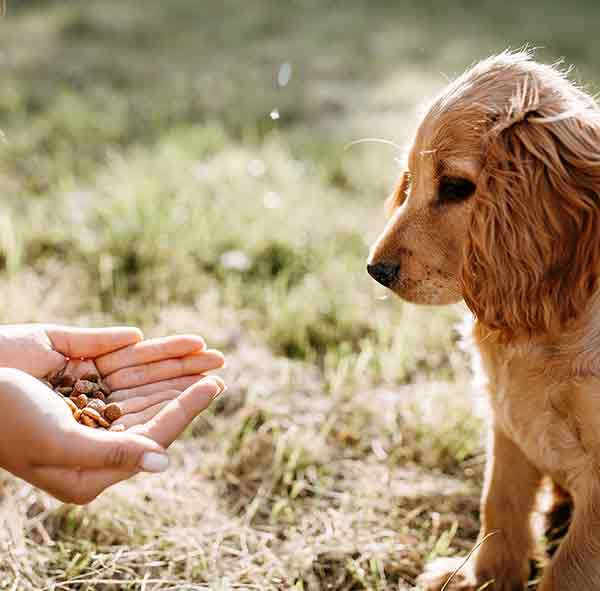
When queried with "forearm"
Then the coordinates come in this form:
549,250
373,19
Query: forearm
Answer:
22,417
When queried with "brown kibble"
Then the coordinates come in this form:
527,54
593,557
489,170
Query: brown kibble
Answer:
71,405
99,396
113,411
103,422
80,385
97,405
81,400
117,428
88,421
86,387
66,381
55,377
90,412
93,414
64,390
90,376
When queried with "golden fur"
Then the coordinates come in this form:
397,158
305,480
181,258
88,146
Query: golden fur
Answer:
523,251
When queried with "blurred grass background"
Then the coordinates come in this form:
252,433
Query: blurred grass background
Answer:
181,165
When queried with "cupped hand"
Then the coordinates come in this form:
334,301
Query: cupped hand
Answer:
152,372
40,349
41,443
145,376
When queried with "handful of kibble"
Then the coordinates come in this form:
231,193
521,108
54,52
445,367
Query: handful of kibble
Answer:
87,398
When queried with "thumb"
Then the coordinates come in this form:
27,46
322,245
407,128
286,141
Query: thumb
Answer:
93,449
91,342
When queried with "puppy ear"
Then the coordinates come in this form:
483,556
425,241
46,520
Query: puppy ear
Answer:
398,196
533,249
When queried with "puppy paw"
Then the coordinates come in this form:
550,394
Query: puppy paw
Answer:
439,573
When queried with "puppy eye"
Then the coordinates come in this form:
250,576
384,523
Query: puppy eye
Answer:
454,190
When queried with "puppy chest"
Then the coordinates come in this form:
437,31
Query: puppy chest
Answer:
532,413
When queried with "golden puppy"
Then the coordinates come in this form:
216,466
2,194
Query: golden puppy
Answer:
500,206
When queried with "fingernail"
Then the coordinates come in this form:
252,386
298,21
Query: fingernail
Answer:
218,382
154,462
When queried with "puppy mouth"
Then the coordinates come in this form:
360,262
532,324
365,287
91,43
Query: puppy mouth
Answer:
425,285
421,293
434,289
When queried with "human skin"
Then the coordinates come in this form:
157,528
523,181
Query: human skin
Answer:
159,383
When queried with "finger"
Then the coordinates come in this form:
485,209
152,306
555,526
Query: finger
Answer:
91,342
56,362
158,371
87,448
179,384
143,416
71,485
174,418
136,405
149,351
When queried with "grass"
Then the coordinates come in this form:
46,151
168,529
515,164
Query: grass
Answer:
144,181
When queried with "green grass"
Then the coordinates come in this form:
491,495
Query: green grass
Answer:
144,181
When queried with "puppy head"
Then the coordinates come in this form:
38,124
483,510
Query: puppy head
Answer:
499,204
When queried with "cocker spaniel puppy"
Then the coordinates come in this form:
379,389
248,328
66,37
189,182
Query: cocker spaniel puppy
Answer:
499,205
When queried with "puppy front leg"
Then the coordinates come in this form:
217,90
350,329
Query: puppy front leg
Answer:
509,493
508,499
576,564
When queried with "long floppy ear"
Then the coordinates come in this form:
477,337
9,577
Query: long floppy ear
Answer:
533,249
398,196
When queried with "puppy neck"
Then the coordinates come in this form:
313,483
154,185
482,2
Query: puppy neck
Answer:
578,350
572,353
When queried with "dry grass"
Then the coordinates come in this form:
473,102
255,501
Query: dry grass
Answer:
143,181
292,481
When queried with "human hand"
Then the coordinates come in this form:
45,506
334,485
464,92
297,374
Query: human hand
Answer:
42,444
40,349
146,374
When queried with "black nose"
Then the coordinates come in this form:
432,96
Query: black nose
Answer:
385,273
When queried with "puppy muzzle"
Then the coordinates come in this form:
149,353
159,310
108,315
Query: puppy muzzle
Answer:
384,273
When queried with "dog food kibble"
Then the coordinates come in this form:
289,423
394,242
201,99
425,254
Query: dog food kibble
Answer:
86,397
90,377
86,387
81,400
112,412
64,390
94,414
97,404
88,421
67,381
